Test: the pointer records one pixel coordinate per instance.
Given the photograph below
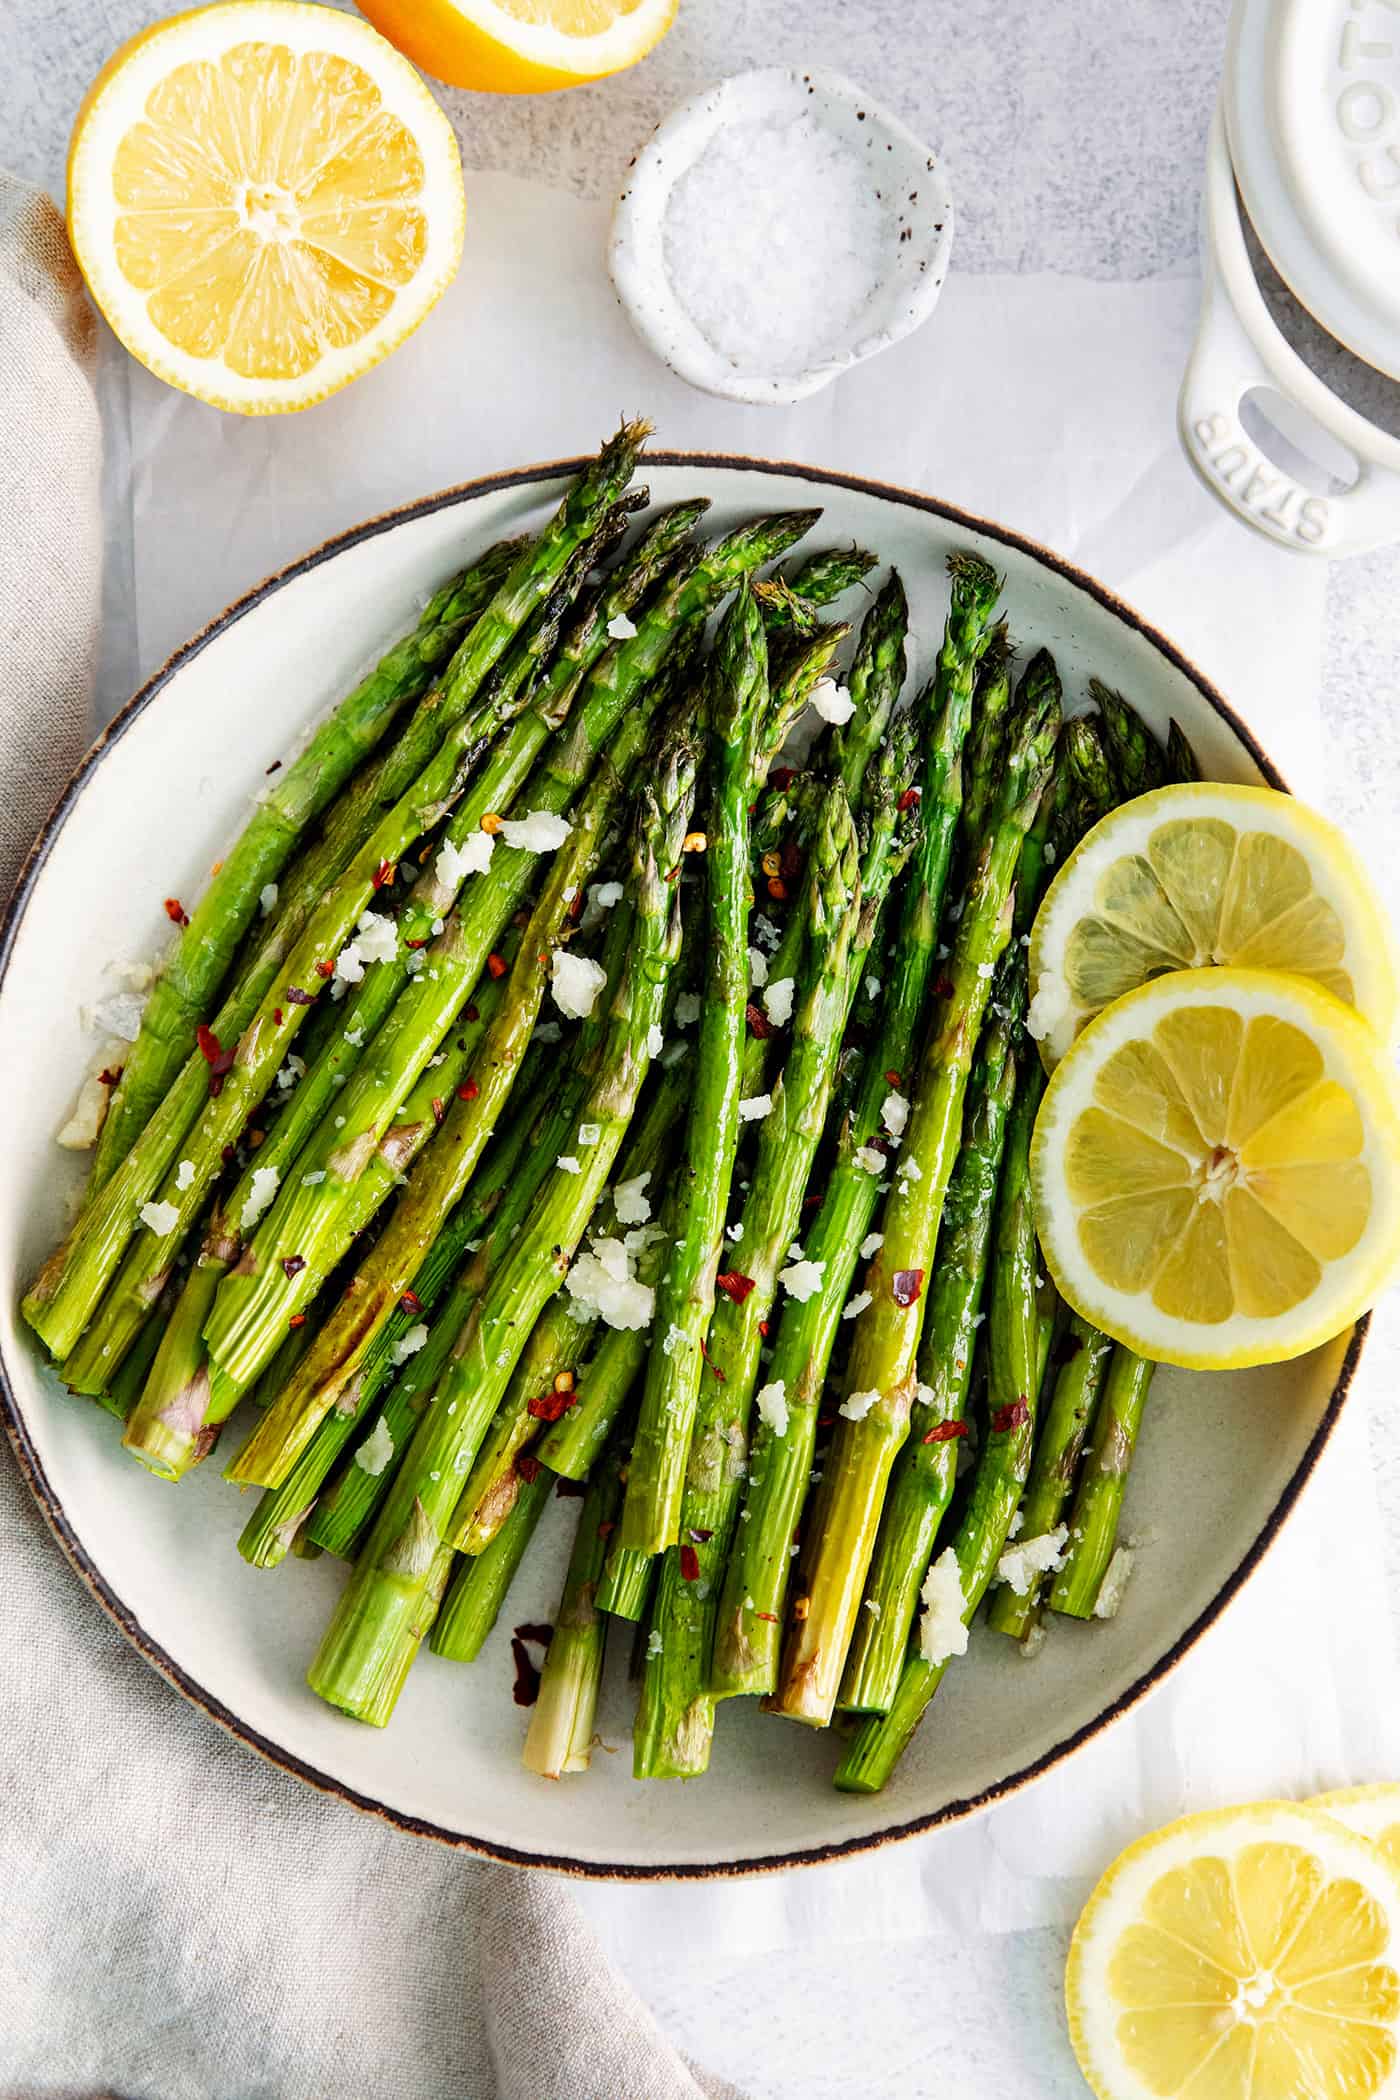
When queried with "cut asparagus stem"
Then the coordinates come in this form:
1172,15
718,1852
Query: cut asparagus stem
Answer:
880,1379
1083,1360
756,1581
560,1736
63,1298
1093,1523
626,1588
385,1587
685,1296
185,989
675,1719
380,1709
922,1482
1003,1464
480,1583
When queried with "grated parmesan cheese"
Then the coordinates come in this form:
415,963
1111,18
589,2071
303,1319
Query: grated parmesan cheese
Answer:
575,983
856,1406
409,1344
184,1174
894,1113
869,1160
777,1000
771,1402
267,898
261,1191
871,1245
1021,1564
539,832
832,702
803,1279
758,968
755,1108
656,1041
942,1632
376,1451
854,1307
687,1009
1114,1583
160,1218
621,628
630,1202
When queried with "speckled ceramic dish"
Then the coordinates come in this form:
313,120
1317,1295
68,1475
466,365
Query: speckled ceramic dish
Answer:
149,809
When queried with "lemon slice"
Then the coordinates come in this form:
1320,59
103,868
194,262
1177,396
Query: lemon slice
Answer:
264,199
1216,1169
1243,1954
1371,1811
519,47
1199,875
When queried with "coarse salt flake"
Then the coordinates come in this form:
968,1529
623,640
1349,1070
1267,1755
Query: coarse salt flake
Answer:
589,1134
758,968
575,982
1050,1006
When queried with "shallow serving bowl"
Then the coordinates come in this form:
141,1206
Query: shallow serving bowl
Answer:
149,810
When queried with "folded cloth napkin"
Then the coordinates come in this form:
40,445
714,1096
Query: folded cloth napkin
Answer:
179,1923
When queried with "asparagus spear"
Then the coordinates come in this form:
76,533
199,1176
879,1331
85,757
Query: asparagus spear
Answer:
1002,1466
560,1736
288,1425
1137,758
480,1581
285,810
63,1298
922,1482
747,1636
629,1575
379,1712
675,1720
875,683
880,1380
398,1553
1093,1523
990,718
791,678
739,693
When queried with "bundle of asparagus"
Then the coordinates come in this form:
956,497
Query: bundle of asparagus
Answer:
557,1089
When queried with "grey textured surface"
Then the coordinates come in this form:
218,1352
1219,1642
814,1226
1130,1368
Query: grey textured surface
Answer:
1074,132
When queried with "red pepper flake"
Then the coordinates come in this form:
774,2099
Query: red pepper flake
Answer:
782,777
735,1285
496,965
325,969
549,1407
563,1488
790,859
468,1090
175,910
576,904
1005,1419
690,1564
908,799
893,1079
811,1202
528,1467
606,1528
944,1433
769,1618
713,1366
422,942
226,1153
763,1329
759,1023
526,1689
701,1538
219,1060
277,1016
473,1014
297,1320
411,1302
107,1077
825,1421
537,1631
384,874
943,986
905,1286
292,1265
300,998
438,1110
275,767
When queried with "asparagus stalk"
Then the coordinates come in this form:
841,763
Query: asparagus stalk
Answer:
288,1425
560,1736
1093,1524
1137,758
739,694
63,1298
480,1581
193,973
748,1633
628,1578
921,1486
791,601
992,713
880,1380
792,677
387,1582
675,1720
1002,1466
875,683
379,1712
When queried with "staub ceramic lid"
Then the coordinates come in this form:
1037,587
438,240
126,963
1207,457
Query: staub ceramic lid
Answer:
1312,111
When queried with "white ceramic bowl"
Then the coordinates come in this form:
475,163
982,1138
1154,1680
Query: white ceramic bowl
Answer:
909,179
1221,1460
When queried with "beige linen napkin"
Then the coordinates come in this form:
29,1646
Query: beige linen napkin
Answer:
179,1921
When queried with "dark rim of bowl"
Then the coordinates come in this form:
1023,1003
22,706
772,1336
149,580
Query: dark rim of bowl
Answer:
50,1504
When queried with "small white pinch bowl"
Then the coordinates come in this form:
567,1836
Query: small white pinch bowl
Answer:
904,171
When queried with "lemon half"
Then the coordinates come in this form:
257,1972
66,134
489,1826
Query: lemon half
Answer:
521,47
264,199
1216,1169
1243,1954
1198,875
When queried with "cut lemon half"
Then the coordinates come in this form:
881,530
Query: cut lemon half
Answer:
1371,1811
1199,875
521,47
1216,1169
1243,1954
264,199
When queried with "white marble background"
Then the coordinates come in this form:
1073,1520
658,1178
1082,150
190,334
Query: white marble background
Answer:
1074,132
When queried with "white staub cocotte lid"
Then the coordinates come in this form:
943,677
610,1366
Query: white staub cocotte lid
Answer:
1312,112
